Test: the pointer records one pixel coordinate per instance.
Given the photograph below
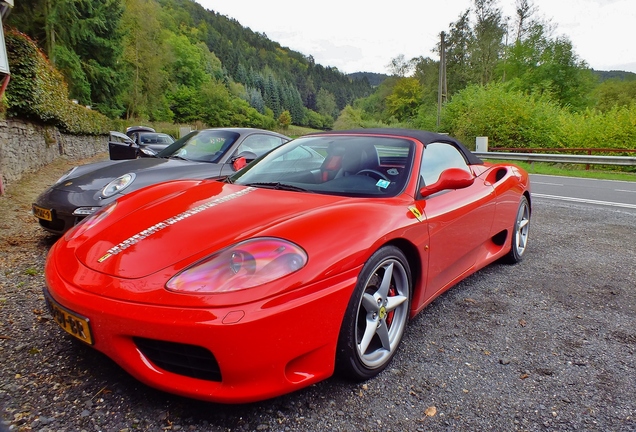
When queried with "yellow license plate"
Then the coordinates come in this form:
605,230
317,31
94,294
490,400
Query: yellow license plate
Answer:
70,322
42,213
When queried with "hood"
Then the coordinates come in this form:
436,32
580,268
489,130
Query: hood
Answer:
94,177
163,225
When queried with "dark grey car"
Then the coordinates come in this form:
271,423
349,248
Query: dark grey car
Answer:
209,153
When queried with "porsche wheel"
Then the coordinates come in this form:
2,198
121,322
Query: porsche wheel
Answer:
376,316
519,240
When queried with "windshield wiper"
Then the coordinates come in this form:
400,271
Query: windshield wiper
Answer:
279,186
177,157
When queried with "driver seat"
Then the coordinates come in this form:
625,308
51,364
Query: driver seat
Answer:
332,164
356,159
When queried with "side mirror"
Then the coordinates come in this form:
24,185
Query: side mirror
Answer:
242,159
452,178
239,163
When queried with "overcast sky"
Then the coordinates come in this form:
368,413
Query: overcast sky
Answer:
355,35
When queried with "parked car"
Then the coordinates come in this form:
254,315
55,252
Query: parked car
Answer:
272,279
135,144
133,129
201,154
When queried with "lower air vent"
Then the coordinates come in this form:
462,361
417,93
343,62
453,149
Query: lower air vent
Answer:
188,360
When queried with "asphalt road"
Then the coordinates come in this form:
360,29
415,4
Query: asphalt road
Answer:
545,345
620,194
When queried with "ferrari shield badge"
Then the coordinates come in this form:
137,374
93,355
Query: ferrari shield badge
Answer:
416,213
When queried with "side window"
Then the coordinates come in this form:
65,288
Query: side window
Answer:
438,157
259,144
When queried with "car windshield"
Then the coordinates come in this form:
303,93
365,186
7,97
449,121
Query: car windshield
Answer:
360,166
201,146
155,138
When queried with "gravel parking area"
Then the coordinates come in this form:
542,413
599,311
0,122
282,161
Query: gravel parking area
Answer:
547,344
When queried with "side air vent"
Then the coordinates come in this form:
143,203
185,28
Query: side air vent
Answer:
501,173
500,238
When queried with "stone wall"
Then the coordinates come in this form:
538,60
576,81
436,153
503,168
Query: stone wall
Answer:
25,147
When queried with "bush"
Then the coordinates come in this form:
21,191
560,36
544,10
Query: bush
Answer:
615,128
37,91
352,118
507,118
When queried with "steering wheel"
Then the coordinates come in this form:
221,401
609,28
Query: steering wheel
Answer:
375,173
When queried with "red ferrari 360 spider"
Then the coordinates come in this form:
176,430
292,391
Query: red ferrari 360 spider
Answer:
310,260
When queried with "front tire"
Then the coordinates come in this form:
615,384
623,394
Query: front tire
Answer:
519,238
376,316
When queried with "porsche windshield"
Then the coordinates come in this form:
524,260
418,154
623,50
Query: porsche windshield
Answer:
347,165
201,146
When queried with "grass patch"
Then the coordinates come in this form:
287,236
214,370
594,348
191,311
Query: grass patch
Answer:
31,272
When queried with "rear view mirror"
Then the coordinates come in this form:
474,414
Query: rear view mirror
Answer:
451,178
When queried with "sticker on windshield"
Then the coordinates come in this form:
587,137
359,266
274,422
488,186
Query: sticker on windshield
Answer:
383,183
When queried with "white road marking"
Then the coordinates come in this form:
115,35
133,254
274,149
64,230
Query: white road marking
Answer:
585,201
546,183
624,190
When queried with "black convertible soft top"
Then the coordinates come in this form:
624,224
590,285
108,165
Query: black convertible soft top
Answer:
425,137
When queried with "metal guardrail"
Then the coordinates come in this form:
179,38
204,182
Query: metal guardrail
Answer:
558,158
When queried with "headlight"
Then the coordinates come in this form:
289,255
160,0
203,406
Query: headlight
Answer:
85,211
66,175
245,265
90,222
118,185
148,151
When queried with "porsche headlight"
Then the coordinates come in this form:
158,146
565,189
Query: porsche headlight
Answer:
245,265
90,222
118,185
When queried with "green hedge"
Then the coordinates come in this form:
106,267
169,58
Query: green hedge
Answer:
37,91
511,118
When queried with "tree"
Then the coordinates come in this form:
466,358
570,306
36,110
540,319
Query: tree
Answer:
69,63
326,104
615,93
285,119
399,66
145,57
524,21
427,74
93,31
487,44
405,100
458,45
536,63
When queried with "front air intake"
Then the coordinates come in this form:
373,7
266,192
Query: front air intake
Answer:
182,359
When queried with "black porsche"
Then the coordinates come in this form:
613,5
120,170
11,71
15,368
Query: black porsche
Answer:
207,153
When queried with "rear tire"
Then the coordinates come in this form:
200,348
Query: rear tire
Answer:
376,316
519,238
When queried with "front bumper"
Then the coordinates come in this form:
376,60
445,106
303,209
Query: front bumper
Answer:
262,349
62,204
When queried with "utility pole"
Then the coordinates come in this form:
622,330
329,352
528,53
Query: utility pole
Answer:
442,89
